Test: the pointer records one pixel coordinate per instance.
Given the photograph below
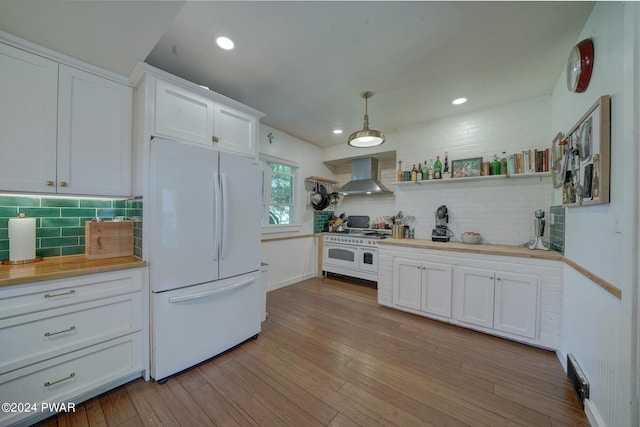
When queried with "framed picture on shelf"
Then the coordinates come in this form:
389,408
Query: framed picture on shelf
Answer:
466,167
586,148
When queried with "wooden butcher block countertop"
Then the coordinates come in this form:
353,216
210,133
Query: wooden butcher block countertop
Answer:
64,266
505,250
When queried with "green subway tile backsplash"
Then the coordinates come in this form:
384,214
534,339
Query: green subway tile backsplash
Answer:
48,231
77,212
60,221
41,212
73,231
52,242
72,250
89,203
557,229
19,201
320,218
60,203
8,211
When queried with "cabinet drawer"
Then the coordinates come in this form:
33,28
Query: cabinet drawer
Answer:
48,333
64,378
28,298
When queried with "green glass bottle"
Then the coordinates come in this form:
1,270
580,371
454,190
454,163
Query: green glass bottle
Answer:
437,169
425,171
495,165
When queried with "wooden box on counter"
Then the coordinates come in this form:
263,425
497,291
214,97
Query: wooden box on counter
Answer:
108,239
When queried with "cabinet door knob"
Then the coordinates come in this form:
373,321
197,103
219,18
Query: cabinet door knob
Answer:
490,277
214,139
497,278
63,183
49,183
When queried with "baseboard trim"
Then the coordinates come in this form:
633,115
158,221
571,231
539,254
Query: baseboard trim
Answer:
289,281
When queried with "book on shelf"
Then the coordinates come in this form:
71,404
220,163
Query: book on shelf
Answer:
528,161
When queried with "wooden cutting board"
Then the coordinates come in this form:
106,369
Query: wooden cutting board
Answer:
108,239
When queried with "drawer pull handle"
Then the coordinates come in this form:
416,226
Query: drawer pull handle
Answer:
49,384
50,334
49,183
63,183
71,292
215,139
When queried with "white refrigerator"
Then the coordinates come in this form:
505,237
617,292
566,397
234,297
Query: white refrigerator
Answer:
203,210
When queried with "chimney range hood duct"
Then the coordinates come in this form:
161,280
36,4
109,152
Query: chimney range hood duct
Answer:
364,173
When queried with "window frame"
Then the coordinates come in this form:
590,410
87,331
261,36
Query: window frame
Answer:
266,161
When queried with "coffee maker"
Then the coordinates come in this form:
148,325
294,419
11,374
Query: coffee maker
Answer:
538,229
441,233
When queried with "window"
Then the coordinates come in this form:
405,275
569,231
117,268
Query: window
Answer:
278,192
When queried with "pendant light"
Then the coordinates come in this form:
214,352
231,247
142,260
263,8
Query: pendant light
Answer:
366,137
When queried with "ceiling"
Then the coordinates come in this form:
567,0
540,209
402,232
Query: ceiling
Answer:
305,64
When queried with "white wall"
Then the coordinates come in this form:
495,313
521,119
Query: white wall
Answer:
295,259
501,210
597,328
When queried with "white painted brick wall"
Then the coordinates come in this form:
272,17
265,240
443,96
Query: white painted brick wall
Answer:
501,210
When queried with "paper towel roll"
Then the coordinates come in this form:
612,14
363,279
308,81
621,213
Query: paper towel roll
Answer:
22,239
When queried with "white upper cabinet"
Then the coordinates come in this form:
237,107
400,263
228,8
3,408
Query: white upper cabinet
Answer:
94,135
28,109
183,115
62,130
235,130
187,116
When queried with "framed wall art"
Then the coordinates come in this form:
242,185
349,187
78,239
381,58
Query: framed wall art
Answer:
466,167
557,156
586,151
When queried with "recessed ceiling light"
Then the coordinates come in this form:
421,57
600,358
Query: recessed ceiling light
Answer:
459,101
337,131
225,43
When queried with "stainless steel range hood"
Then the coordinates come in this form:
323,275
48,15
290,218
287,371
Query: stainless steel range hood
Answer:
364,178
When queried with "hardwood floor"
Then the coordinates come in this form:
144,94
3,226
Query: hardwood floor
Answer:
328,355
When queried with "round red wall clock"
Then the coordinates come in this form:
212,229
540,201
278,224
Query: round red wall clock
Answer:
580,66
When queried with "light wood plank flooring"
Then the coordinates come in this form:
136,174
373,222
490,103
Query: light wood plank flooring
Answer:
328,355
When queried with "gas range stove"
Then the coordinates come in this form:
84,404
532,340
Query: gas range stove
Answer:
357,236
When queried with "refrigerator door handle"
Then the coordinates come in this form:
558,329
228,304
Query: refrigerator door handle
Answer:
204,294
216,215
224,241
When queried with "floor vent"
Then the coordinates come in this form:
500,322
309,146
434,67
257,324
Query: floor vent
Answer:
577,379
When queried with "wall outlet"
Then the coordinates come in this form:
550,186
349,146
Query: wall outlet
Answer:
617,226
552,218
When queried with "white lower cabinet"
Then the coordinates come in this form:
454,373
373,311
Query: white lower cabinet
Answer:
422,286
67,340
473,292
516,304
518,298
499,300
